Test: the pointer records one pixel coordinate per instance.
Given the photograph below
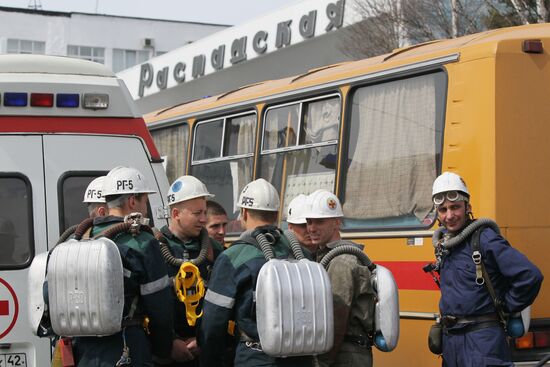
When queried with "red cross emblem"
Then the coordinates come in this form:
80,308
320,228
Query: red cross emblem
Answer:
4,308
331,204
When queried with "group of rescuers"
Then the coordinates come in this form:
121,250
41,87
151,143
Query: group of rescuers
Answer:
475,338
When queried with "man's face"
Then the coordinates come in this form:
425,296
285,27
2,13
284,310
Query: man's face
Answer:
188,218
302,235
216,225
323,230
453,214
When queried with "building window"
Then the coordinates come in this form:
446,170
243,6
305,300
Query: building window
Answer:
95,54
124,59
16,46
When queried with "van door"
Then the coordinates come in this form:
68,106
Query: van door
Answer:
72,161
23,233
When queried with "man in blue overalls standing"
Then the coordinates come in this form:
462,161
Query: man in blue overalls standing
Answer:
472,314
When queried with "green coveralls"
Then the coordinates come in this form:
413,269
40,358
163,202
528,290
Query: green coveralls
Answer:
353,298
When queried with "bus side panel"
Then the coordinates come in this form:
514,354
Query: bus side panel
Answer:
523,156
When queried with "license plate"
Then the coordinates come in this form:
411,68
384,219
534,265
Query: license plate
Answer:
13,360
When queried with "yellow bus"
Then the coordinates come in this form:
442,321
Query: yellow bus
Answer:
377,132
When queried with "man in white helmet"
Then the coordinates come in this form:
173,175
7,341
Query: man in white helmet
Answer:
184,236
297,222
95,202
146,283
472,320
231,288
353,295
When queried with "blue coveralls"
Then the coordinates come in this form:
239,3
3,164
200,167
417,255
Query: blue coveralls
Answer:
516,281
145,276
189,250
230,297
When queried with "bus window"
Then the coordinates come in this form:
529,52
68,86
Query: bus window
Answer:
16,230
172,144
395,143
299,146
222,159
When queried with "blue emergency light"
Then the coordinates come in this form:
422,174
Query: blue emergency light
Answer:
67,100
15,99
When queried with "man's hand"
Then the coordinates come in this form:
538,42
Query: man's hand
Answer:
192,346
180,352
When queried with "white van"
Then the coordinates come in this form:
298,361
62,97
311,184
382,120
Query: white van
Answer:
63,122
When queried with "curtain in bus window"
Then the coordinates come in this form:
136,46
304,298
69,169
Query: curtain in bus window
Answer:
172,143
241,170
321,121
281,130
394,163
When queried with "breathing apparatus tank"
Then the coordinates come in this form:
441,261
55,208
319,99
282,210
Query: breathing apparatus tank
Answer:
386,312
324,204
90,304
294,308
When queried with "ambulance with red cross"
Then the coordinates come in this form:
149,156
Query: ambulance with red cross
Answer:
63,122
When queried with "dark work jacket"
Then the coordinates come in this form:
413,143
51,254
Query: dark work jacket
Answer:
145,276
189,250
230,297
516,280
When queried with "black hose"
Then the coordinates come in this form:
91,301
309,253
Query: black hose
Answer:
265,246
466,232
82,228
294,245
347,248
174,261
66,234
205,245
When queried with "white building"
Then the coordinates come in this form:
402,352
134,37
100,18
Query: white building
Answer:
118,42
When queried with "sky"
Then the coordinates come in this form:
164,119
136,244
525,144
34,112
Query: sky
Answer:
230,12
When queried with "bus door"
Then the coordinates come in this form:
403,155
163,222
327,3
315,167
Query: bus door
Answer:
23,233
73,161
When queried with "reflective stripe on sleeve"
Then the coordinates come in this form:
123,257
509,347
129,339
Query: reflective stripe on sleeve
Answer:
155,286
219,299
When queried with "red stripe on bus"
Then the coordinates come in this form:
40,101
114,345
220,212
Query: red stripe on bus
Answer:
409,275
4,308
83,125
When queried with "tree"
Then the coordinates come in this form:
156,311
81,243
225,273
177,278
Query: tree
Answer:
389,24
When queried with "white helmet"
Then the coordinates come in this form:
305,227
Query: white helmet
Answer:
259,195
296,210
125,180
93,191
449,181
323,204
186,188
